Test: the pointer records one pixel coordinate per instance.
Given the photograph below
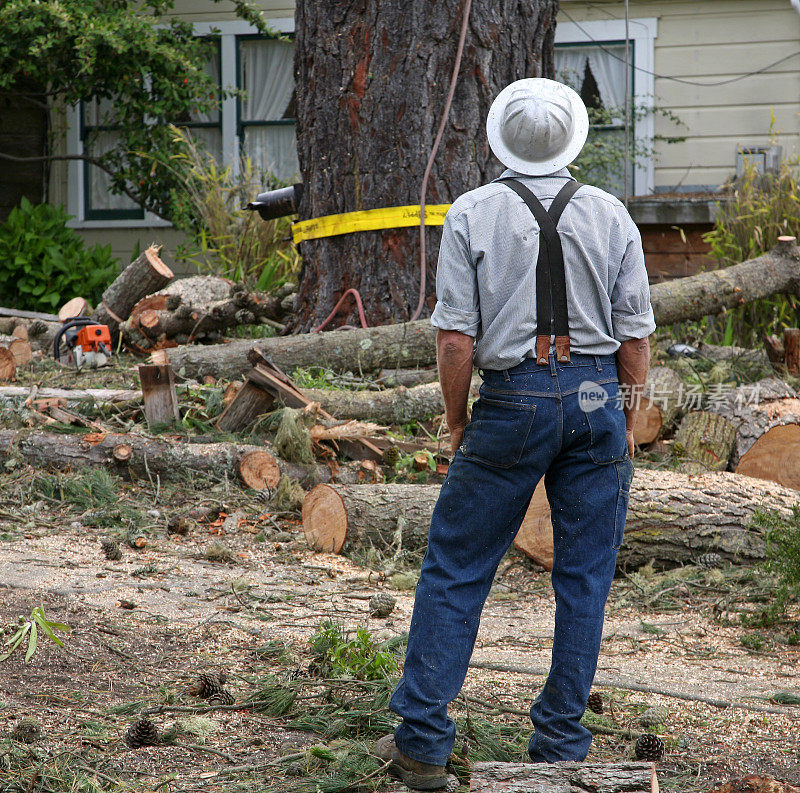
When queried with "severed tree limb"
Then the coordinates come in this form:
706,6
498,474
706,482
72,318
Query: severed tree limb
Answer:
571,777
140,454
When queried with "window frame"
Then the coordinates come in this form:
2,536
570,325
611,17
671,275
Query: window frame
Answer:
226,32
643,32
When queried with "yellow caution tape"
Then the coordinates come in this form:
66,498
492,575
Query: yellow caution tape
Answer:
367,220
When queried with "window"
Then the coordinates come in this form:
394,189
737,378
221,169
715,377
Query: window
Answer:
258,123
266,126
99,135
591,56
597,73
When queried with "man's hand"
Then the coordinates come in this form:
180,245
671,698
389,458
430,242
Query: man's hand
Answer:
633,362
454,354
456,436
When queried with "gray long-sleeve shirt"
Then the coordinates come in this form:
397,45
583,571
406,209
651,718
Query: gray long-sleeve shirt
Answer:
486,276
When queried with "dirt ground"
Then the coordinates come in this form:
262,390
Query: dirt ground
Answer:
144,626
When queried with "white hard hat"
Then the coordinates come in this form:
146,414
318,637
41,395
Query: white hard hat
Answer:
537,126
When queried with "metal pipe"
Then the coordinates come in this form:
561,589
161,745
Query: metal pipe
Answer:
277,203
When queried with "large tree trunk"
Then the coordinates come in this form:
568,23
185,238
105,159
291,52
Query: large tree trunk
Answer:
372,81
672,518
563,778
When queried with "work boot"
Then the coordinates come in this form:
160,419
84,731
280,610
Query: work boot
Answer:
419,776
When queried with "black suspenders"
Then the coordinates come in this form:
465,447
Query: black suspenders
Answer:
551,284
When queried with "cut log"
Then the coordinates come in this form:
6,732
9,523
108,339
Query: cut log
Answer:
393,406
143,276
407,377
706,442
96,395
713,291
363,349
193,307
659,405
412,344
791,350
77,307
20,332
21,350
563,778
8,364
248,404
20,314
733,353
158,391
774,456
755,410
535,535
672,518
163,457
259,470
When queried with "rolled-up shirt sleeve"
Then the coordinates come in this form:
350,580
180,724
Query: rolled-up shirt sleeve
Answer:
457,306
631,311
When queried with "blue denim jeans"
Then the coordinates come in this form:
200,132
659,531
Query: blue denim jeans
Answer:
564,422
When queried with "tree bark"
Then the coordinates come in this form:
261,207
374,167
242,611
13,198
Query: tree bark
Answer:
372,80
392,406
563,778
706,442
191,308
410,344
143,276
145,456
672,518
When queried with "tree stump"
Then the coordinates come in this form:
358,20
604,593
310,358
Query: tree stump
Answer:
563,778
143,276
704,441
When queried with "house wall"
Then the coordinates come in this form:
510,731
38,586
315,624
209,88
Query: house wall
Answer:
712,41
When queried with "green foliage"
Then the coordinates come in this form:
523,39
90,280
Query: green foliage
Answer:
762,208
143,62
359,657
30,629
225,239
43,263
93,489
782,564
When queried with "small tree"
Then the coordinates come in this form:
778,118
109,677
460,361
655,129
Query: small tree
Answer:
148,67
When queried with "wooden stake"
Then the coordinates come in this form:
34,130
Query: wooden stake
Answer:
158,391
250,402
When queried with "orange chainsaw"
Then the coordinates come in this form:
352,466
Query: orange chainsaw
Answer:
87,343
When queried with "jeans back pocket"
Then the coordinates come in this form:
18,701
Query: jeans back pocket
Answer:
498,431
609,441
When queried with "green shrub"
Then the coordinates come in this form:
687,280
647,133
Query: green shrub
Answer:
359,658
43,263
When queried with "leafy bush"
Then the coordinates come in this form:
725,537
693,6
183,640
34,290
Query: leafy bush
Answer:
225,239
359,658
43,263
761,209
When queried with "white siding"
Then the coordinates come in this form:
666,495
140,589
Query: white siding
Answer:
713,41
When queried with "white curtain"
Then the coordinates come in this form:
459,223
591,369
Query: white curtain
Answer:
267,77
274,149
212,67
100,195
608,69
570,63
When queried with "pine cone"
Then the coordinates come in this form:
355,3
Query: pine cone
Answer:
382,604
207,684
649,747
391,455
141,733
709,560
27,730
654,716
111,549
595,703
222,697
